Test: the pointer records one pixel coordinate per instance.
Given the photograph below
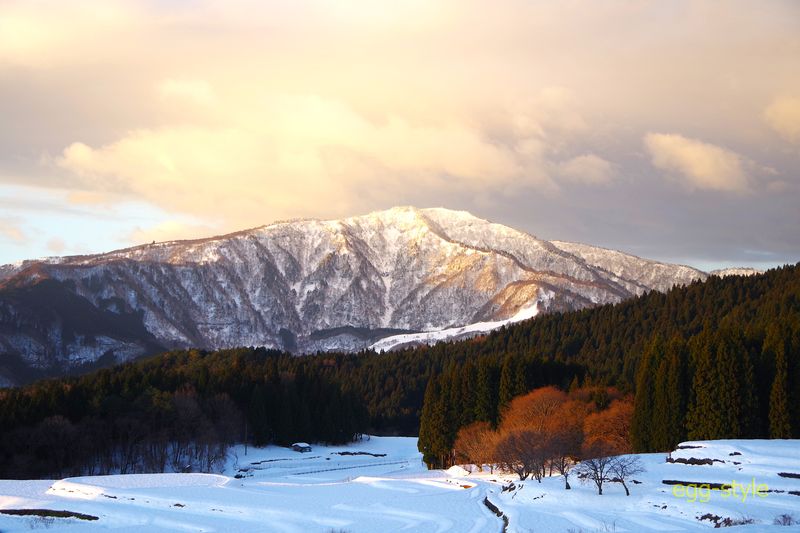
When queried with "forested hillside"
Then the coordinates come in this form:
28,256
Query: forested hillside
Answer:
715,359
178,411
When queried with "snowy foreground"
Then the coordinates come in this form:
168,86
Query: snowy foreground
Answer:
281,490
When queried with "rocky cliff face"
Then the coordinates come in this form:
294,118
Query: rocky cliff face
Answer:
303,286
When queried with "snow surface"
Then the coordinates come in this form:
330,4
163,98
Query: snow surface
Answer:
382,485
653,506
432,337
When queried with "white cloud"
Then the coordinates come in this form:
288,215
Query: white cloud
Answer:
47,34
698,164
10,230
783,115
588,169
291,151
551,110
198,92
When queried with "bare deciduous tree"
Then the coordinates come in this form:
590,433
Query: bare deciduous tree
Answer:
610,429
523,452
565,437
623,467
532,410
508,455
475,444
596,470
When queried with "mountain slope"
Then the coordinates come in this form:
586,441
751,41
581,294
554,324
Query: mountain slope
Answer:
736,271
312,285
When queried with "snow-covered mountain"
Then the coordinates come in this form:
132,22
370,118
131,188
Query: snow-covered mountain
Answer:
303,286
736,271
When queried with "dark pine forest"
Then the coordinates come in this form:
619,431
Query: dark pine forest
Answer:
715,359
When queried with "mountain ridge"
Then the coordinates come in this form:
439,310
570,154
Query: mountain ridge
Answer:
309,284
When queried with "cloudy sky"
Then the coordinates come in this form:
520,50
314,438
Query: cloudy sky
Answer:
667,129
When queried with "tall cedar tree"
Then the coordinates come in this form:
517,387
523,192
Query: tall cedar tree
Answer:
433,442
644,435
779,422
677,391
703,419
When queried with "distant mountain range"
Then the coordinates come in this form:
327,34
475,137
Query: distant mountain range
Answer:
387,279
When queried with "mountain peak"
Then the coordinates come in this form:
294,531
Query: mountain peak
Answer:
308,285
410,215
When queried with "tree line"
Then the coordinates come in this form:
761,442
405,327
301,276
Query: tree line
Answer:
729,381
180,411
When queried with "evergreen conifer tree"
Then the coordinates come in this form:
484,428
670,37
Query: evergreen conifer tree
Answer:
642,434
779,421
703,419
728,392
486,394
257,416
676,391
432,439
661,403
507,386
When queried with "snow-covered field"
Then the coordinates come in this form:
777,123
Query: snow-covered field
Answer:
384,486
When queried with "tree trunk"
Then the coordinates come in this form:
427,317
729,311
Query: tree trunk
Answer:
627,492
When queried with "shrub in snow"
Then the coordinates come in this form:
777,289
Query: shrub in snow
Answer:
785,520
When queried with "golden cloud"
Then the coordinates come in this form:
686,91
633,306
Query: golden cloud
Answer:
698,164
274,157
197,92
242,112
783,115
50,34
587,168
11,231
